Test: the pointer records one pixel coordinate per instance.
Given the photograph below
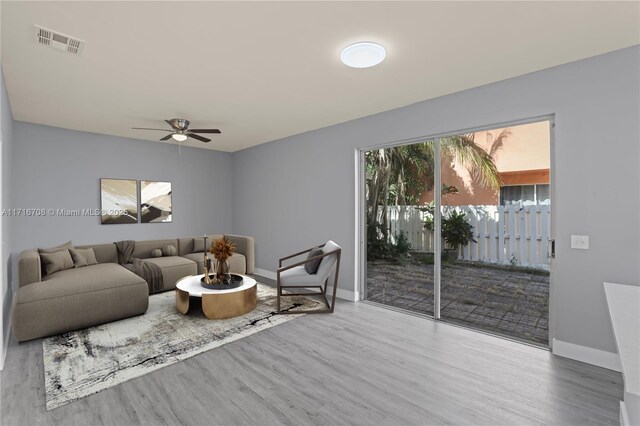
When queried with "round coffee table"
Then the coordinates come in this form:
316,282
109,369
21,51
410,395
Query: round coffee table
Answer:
217,304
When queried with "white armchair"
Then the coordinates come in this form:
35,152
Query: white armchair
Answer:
295,276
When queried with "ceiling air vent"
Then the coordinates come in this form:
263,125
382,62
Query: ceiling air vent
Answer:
58,41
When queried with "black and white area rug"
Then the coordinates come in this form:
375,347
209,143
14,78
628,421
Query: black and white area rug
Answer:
84,362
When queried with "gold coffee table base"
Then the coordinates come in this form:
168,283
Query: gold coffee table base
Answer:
182,301
222,305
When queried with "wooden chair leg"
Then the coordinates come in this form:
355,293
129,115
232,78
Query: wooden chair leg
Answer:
326,310
335,284
278,301
278,293
326,301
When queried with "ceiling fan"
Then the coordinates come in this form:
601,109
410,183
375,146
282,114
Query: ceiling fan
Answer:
180,131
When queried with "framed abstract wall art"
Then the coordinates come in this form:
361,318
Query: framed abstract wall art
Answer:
118,201
155,202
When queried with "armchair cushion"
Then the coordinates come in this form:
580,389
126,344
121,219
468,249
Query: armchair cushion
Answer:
312,266
298,277
330,246
328,263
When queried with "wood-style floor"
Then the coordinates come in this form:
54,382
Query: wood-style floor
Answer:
363,365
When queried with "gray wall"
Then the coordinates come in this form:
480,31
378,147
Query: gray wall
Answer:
6,127
59,168
299,191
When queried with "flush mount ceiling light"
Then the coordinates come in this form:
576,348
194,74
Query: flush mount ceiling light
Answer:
363,55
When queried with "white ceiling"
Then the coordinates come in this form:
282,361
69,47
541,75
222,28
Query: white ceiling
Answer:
260,71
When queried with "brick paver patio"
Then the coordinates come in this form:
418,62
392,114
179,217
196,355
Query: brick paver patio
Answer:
507,301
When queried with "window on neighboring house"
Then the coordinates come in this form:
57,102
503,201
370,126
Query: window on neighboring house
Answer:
524,195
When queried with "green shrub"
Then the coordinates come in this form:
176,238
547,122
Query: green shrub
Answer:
402,244
378,248
456,231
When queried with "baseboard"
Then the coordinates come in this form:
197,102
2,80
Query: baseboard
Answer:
630,409
264,273
5,343
352,296
624,417
600,358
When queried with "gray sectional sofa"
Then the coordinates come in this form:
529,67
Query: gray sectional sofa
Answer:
81,297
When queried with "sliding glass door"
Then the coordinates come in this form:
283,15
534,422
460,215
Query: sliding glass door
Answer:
399,245
458,228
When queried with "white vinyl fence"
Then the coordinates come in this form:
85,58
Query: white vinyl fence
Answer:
504,234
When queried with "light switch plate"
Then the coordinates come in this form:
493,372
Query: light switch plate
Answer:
580,242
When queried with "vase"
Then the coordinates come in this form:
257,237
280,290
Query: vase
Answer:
207,269
222,271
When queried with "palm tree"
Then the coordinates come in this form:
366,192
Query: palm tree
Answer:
399,175
393,178
478,162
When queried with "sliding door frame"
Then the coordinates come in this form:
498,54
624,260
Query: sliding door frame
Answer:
361,220
437,228
360,267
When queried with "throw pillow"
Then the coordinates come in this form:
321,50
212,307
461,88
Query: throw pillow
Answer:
83,257
312,266
66,246
156,253
198,245
57,261
169,250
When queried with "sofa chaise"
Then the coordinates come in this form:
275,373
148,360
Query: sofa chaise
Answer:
82,296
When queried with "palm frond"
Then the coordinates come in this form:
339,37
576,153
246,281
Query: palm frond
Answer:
498,143
478,161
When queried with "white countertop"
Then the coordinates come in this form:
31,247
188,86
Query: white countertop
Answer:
624,309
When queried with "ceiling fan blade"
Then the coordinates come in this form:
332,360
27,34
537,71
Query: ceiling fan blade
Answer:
205,130
172,124
200,138
146,128
167,137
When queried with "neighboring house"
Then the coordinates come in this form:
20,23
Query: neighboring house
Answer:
523,162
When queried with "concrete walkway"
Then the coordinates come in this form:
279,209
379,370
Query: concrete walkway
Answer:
506,301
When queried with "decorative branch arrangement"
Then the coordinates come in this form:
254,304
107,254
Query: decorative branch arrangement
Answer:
222,249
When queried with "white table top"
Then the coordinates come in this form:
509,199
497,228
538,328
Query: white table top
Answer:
192,285
624,308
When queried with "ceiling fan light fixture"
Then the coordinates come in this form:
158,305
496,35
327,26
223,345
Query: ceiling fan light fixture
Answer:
365,54
180,131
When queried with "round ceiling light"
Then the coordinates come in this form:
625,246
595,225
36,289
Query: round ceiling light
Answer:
180,137
363,55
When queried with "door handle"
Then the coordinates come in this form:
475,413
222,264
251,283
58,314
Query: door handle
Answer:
553,249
